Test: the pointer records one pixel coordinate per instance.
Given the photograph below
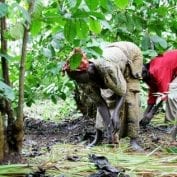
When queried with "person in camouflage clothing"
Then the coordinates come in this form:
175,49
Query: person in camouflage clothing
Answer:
113,83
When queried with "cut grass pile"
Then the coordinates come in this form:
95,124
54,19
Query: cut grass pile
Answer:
135,164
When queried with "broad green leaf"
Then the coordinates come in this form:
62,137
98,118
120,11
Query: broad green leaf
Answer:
6,56
73,4
70,30
16,31
82,28
145,42
3,9
37,10
80,14
6,91
162,42
47,52
104,4
162,11
98,15
75,61
138,2
97,50
92,4
24,12
122,4
36,27
130,23
94,25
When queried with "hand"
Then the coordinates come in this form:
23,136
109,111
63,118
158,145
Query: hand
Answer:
160,96
146,119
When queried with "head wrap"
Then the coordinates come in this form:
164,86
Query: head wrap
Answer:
83,64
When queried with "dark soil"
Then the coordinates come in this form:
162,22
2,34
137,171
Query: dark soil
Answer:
41,135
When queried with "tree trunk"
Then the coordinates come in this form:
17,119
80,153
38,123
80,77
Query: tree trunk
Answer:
5,106
2,141
19,124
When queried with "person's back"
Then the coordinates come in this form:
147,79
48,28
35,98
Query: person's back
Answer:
161,76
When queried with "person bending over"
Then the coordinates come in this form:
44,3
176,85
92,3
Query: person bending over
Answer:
160,74
113,83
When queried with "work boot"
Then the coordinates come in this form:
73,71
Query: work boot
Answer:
144,122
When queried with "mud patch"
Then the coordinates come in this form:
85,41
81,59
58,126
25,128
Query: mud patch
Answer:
40,135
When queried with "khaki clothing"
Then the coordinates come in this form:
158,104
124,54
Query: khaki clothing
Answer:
171,103
121,69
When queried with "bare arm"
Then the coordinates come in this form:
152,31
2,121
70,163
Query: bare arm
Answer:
149,113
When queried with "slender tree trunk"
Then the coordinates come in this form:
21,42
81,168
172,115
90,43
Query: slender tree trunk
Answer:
2,140
5,106
19,122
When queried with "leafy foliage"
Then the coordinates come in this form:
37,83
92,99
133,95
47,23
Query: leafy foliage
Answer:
59,26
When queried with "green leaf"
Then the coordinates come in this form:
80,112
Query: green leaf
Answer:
163,43
94,25
75,61
16,31
37,10
122,4
80,14
6,91
3,9
24,12
36,27
92,4
138,2
104,4
158,40
82,29
70,30
97,15
97,49
47,52
6,56
146,42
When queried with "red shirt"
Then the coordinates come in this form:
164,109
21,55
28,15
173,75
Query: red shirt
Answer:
163,69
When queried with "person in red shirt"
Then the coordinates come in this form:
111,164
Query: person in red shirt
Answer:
160,74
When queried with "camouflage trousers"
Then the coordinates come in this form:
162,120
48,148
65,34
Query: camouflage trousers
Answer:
129,115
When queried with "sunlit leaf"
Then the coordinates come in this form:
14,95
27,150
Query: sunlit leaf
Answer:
80,14
104,3
36,27
75,61
92,4
16,31
24,12
122,4
95,25
82,28
70,30
37,10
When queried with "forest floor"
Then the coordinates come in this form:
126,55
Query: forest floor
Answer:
55,146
